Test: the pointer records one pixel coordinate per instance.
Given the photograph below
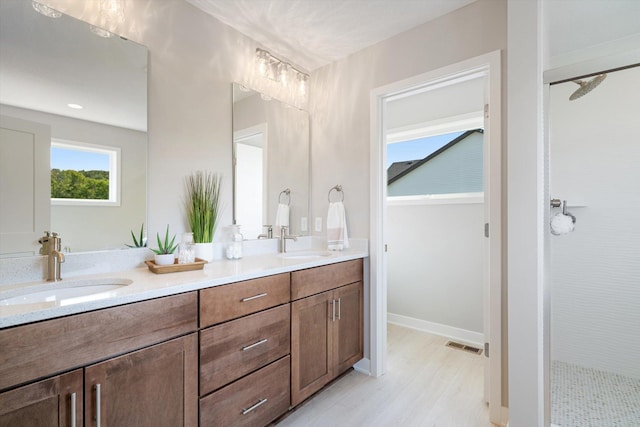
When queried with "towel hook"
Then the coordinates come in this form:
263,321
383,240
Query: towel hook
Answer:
287,193
337,188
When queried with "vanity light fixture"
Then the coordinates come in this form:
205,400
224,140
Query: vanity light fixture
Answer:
279,71
100,32
46,10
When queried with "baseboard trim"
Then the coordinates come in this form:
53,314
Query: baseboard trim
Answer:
475,339
363,366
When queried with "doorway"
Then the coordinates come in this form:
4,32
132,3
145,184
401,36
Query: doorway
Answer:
486,67
594,267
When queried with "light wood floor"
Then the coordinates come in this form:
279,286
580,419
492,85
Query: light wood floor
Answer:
426,385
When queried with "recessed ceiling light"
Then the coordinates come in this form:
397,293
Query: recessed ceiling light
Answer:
75,106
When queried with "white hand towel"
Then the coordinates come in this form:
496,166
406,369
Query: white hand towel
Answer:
282,217
337,238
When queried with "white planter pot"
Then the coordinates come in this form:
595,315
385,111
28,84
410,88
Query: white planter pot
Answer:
204,251
165,259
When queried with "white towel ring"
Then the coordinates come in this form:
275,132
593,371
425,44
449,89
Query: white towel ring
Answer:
287,193
337,188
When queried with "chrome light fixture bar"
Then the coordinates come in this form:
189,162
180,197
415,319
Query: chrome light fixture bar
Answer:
282,72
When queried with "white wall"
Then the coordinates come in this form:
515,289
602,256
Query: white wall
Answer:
435,263
595,271
339,97
99,227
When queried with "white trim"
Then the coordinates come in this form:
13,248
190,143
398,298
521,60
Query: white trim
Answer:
464,336
363,366
436,199
115,172
487,64
460,123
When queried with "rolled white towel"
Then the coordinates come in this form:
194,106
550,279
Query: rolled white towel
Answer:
561,224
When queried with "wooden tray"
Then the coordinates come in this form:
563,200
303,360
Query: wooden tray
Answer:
175,267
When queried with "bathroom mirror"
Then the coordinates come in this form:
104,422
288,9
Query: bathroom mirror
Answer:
271,163
48,64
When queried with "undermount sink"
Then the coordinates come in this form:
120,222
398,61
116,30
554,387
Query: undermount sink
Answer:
64,292
305,254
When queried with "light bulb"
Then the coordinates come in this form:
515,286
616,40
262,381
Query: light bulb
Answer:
283,73
302,83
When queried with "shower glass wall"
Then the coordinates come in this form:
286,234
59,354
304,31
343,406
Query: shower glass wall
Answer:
595,270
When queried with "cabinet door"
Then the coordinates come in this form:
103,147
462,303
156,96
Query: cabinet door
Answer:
156,386
56,401
311,345
348,348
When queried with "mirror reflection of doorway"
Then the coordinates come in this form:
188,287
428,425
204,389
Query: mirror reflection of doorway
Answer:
250,159
595,269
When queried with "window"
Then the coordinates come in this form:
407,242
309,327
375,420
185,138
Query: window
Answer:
84,174
436,168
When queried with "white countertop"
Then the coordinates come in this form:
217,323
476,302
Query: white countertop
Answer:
147,285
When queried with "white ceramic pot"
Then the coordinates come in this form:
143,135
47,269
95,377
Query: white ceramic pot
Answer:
164,259
204,251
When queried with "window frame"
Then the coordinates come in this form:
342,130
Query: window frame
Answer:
115,171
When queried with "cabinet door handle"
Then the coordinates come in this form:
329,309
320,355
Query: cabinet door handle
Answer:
73,410
254,297
339,309
97,387
260,402
255,344
333,310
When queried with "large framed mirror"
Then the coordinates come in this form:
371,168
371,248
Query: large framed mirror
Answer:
271,165
69,94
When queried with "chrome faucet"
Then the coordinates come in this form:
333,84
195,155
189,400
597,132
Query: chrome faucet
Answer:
52,247
268,234
282,243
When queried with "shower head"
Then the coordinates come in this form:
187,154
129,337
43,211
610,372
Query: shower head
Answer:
586,86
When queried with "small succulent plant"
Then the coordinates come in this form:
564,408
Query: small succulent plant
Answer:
165,247
141,242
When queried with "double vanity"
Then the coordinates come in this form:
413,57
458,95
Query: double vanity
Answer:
236,343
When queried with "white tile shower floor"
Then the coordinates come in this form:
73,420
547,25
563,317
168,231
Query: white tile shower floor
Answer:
584,397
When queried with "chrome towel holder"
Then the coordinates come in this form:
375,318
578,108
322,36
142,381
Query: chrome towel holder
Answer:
287,193
337,188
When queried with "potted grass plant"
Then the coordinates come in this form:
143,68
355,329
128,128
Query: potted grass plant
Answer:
203,207
164,254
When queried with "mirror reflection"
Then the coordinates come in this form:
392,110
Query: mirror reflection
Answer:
271,165
66,85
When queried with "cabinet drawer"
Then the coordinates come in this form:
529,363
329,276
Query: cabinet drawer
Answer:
255,400
236,348
319,279
42,349
226,302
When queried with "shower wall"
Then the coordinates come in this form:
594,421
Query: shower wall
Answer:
595,271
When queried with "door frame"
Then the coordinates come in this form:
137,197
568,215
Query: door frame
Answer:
490,64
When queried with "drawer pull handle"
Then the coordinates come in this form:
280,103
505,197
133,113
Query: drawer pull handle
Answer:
260,402
339,309
333,310
97,387
254,297
73,410
255,344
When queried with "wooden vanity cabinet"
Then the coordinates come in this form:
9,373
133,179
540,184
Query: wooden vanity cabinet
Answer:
56,401
156,386
326,328
244,352
147,374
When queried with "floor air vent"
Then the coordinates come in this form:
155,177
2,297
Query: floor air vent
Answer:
464,347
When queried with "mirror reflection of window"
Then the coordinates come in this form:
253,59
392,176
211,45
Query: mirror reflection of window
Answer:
84,173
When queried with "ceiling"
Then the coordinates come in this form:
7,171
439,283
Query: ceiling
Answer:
313,33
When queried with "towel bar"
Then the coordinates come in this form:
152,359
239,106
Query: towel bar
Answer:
287,193
337,188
